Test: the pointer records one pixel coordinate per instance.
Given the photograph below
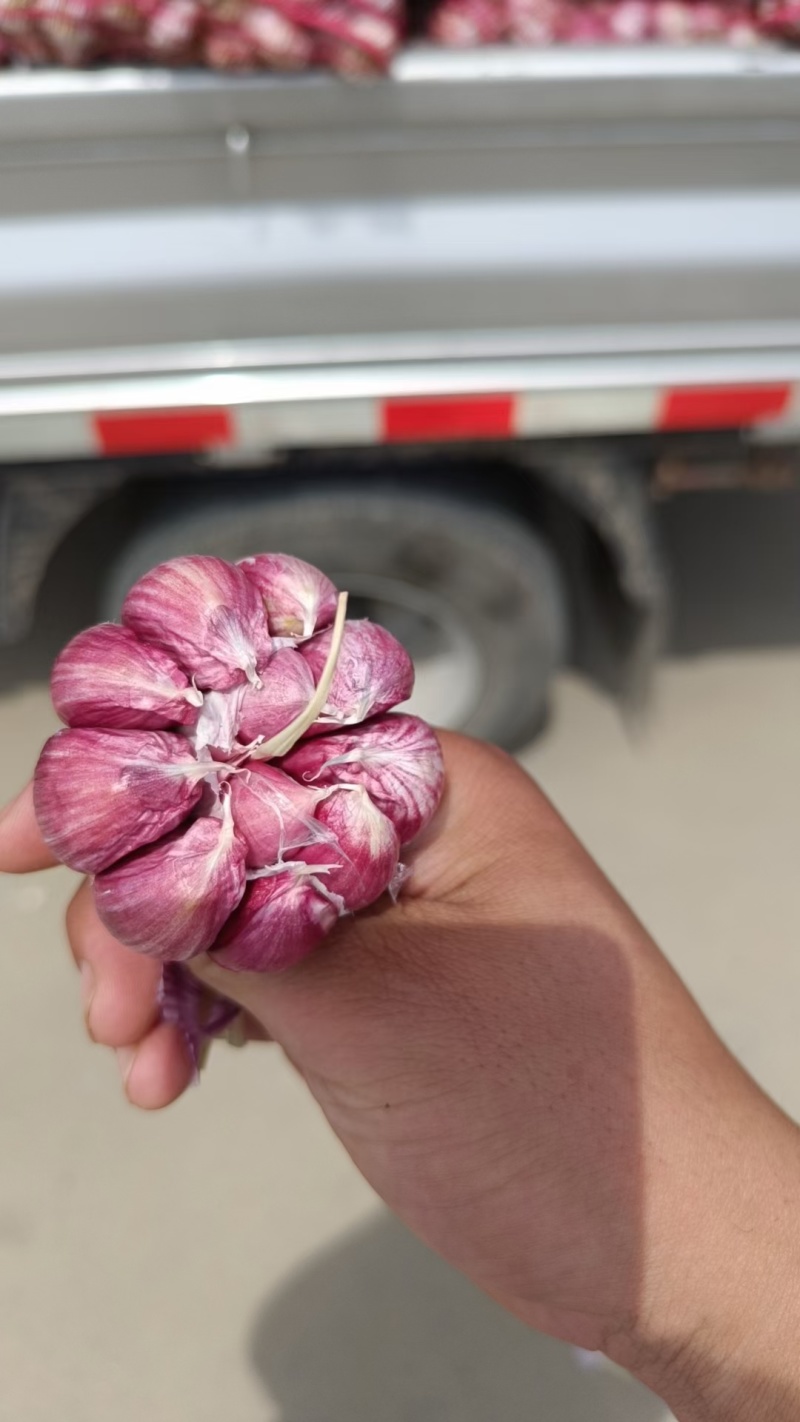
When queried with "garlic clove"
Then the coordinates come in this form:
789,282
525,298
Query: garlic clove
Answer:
107,677
272,813
396,758
298,598
362,859
373,674
171,899
218,723
207,614
282,741
288,686
280,920
101,794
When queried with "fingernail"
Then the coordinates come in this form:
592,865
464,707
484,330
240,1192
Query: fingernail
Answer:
126,1056
87,993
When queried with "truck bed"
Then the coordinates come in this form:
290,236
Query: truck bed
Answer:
551,227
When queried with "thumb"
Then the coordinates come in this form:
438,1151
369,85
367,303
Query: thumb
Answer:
307,1008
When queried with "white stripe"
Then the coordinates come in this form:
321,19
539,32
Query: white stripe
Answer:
60,436
586,411
788,420
314,423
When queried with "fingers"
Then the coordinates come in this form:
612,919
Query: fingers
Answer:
156,1071
118,986
119,991
22,848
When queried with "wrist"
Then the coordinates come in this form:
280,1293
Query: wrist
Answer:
749,1375
717,1337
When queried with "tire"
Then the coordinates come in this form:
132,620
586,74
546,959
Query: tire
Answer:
471,590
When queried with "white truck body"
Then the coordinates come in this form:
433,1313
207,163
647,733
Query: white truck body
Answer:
504,244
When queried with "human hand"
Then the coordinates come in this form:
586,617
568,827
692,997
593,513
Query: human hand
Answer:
517,1071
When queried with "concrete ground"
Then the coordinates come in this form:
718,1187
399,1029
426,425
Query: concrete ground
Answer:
223,1259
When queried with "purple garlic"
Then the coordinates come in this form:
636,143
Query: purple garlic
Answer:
276,40
396,758
535,22
360,863
199,1013
171,900
281,918
230,833
273,814
287,689
106,677
173,27
100,794
373,674
207,614
466,24
298,598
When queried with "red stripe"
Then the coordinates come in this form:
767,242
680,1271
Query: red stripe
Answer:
162,432
452,417
721,407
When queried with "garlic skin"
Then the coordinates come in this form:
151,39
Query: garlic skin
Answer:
218,722
207,614
170,900
298,598
363,857
107,677
373,673
197,1012
396,758
280,920
273,814
100,794
288,686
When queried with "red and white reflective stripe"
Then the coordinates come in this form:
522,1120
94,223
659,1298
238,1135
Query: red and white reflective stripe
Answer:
162,431
724,407
358,419
570,412
418,420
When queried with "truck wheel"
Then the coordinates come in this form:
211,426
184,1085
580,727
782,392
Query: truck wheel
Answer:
467,586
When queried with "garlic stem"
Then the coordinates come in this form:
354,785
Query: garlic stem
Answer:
282,743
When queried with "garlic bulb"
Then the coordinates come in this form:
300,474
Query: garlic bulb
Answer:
228,772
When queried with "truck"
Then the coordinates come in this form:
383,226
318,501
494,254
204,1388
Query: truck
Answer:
447,335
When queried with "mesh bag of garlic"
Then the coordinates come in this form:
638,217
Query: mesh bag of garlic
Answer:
352,37
232,772
464,24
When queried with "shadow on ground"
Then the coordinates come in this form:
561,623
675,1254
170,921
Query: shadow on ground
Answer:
379,1329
